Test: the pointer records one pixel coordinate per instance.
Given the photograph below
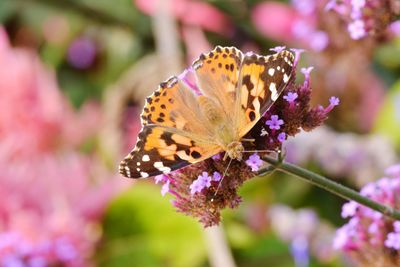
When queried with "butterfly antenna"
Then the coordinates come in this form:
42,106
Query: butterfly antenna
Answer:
223,176
266,150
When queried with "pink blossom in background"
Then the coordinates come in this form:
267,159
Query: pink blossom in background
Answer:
291,24
275,20
51,196
190,12
36,116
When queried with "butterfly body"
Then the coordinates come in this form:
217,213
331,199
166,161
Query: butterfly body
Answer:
181,127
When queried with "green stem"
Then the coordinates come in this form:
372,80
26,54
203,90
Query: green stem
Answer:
329,185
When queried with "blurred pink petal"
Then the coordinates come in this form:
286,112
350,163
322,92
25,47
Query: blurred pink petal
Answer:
191,12
274,20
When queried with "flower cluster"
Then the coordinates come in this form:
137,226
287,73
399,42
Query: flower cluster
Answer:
52,196
202,190
369,236
366,17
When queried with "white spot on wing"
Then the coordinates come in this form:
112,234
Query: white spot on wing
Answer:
274,93
145,158
160,166
285,78
271,72
144,174
128,171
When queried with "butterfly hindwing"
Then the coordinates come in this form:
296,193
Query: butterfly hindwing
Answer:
262,80
161,150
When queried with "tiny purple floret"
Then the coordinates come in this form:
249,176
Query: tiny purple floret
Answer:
307,71
254,162
165,188
202,181
278,49
290,97
216,177
393,241
282,137
274,123
349,209
357,29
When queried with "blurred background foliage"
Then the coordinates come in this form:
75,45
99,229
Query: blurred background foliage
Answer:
113,54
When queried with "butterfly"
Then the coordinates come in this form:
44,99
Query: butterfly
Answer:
181,127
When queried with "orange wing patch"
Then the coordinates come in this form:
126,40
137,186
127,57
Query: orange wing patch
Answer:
218,74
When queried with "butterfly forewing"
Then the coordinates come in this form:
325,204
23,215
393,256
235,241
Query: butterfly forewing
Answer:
262,80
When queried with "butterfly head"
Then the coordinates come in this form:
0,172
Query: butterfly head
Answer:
234,150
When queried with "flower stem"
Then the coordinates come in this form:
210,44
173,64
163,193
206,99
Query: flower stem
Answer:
329,185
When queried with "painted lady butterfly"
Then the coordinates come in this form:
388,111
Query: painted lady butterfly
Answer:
182,128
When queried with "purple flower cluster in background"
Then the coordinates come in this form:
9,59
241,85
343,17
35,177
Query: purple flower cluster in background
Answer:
366,17
367,229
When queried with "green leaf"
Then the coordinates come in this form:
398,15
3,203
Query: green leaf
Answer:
142,228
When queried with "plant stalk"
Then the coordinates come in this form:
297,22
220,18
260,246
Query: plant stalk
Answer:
329,185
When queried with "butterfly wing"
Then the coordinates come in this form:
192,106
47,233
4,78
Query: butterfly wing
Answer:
162,149
175,133
217,74
262,80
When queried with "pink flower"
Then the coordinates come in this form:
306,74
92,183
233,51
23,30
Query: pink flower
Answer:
274,20
52,197
191,12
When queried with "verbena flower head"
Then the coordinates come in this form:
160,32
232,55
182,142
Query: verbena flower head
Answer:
199,189
366,17
369,236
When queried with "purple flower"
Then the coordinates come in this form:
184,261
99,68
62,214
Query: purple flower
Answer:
319,41
290,97
358,4
396,226
282,137
274,123
278,49
307,71
254,162
196,187
160,178
81,53
333,101
297,52
216,177
216,156
202,181
299,250
393,170
165,188
305,7
349,209
368,231
393,241
357,29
